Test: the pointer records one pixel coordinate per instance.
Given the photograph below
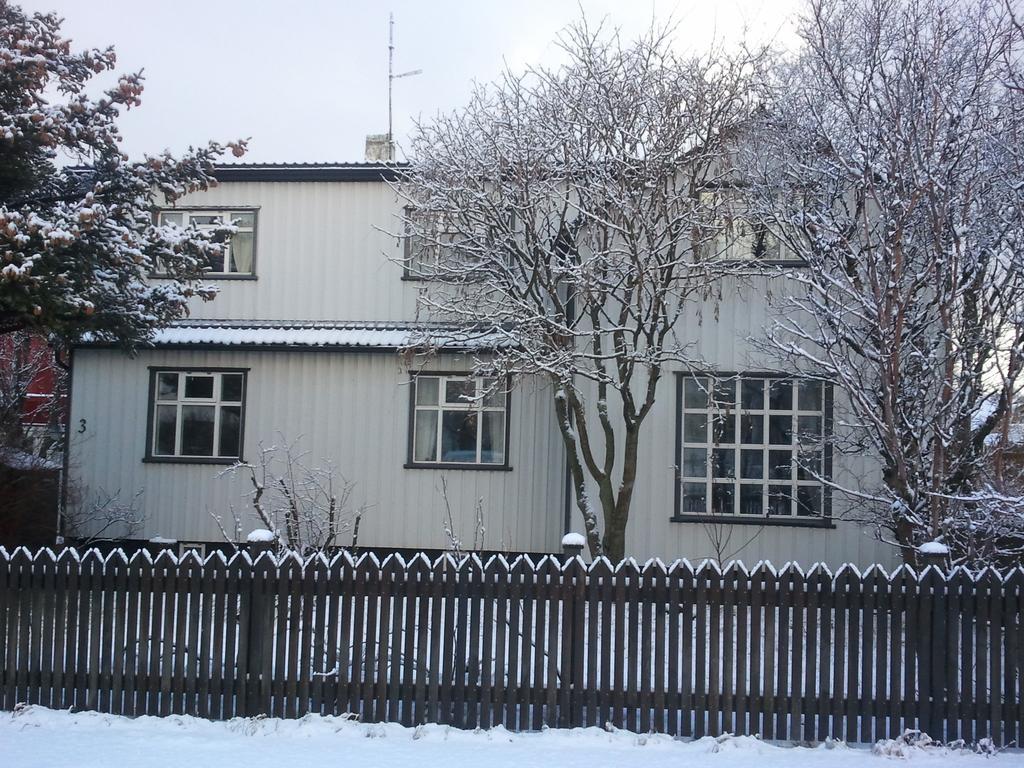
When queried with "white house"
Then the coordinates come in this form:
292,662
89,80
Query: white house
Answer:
303,346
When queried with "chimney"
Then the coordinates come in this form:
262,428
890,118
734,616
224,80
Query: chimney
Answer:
378,148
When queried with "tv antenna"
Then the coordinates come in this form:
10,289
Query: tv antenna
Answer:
391,79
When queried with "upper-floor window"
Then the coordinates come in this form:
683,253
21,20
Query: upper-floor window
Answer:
752,446
239,256
458,420
435,248
196,415
736,237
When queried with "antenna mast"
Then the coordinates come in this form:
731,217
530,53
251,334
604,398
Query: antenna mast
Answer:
391,79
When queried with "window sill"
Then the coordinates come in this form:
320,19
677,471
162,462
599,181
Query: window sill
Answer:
790,522
473,467
190,460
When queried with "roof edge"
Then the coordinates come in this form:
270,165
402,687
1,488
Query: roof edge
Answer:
350,172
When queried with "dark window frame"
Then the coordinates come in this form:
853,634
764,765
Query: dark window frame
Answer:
151,458
410,444
254,209
825,520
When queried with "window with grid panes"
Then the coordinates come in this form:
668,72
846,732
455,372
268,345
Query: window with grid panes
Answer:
752,446
458,420
237,258
197,414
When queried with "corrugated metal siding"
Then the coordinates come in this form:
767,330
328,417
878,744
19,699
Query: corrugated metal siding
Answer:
350,408
323,251
721,340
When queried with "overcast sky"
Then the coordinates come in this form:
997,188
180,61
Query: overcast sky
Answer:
307,79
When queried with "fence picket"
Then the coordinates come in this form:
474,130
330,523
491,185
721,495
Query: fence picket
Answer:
528,645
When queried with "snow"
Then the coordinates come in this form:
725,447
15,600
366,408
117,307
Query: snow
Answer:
933,548
35,737
261,535
24,461
573,540
317,334
162,540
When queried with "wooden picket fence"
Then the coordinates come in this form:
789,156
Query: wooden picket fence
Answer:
676,649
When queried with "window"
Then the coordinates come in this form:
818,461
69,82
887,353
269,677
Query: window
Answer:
736,237
752,446
423,252
238,258
458,420
440,249
196,415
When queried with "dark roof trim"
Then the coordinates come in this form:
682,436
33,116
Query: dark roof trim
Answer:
355,172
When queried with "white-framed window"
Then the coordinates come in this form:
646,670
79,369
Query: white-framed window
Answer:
752,446
239,255
434,247
736,237
458,420
196,415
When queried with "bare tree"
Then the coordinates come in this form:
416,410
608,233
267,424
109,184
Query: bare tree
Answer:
891,164
104,517
306,507
567,217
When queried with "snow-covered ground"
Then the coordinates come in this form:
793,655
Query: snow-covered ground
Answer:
36,737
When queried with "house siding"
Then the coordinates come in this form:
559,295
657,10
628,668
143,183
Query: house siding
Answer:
327,251
349,408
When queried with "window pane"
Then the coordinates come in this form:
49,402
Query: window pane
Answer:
723,462
694,393
809,429
780,465
197,430
722,496
199,386
809,395
695,498
751,465
808,500
231,387
205,219
725,393
752,394
243,219
492,439
724,428
779,500
459,390
215,262
695,462
167,386
780,430
166,426
230,431
171,217
240,253
780,395
751,500
426,390
808,466
695,428
458,436
494,393
425,441
752,429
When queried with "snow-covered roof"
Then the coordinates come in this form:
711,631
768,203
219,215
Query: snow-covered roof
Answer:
319,333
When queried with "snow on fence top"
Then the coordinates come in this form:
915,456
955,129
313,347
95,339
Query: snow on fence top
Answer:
763,571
